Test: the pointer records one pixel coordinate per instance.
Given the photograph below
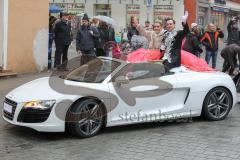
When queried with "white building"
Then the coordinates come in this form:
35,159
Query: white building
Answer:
122,10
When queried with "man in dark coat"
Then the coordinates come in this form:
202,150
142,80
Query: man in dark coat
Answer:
192,43
62,33
233,31
86,37
229,55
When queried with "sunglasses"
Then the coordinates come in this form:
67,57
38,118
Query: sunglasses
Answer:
157,26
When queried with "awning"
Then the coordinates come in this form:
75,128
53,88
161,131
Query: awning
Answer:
220,8
235,10
203,3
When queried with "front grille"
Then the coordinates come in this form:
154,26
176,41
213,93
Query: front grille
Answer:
14,106
33,115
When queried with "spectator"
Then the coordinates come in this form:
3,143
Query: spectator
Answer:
148,26
233,31
52,19
210,41
62,33
229,55
132,30
86,38
111,33
124,34
95,22
155,37
104,37
192,43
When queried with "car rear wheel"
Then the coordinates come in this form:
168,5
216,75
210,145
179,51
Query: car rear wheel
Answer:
86,118
217,104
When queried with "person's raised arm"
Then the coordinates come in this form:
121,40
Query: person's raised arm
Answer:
184,23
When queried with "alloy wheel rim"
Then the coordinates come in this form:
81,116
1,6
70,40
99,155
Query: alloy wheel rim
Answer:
218,104
92,118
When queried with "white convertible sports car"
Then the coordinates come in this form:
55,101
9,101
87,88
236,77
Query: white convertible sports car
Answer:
110,92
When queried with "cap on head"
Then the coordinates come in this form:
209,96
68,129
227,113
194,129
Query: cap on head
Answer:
85,17
194,25
62,14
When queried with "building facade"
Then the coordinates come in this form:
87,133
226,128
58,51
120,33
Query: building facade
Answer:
23,44
24,26
122,10
218,12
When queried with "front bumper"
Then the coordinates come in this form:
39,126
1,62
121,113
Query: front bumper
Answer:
51,124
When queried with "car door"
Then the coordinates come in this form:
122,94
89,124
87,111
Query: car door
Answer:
145,93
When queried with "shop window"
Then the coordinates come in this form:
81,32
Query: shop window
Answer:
132,10
222,2
218,19
202,16
103,9
161,12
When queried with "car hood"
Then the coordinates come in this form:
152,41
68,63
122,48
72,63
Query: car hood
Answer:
38,89
55,88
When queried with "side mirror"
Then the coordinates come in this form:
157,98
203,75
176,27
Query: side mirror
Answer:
121,80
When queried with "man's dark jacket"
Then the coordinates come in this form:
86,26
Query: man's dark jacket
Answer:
104,37
62,33
192,44
233,34
176,48
210,40
85,41
230,54
131,32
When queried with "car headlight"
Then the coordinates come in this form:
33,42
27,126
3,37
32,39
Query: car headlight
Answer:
39,104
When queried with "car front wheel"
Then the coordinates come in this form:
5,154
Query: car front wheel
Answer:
86,118
217,104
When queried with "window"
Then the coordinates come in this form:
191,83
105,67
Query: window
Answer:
103,9
162,12
139,71
218,19
94,71
132,10
202,16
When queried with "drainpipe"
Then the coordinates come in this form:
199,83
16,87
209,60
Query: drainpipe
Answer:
5,33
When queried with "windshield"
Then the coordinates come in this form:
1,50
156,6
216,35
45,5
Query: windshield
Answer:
95,71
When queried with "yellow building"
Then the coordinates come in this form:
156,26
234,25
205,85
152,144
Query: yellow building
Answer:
23,35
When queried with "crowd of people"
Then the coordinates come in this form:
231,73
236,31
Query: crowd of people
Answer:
92,36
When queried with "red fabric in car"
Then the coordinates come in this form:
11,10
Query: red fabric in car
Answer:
143,55
194,63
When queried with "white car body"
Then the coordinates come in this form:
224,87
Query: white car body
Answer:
184,100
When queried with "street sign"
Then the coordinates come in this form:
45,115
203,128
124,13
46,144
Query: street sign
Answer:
149,3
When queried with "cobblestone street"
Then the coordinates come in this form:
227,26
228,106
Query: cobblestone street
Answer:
196,140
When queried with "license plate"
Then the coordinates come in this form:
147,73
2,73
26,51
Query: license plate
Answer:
7,108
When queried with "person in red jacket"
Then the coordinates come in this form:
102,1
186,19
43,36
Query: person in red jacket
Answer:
210,41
